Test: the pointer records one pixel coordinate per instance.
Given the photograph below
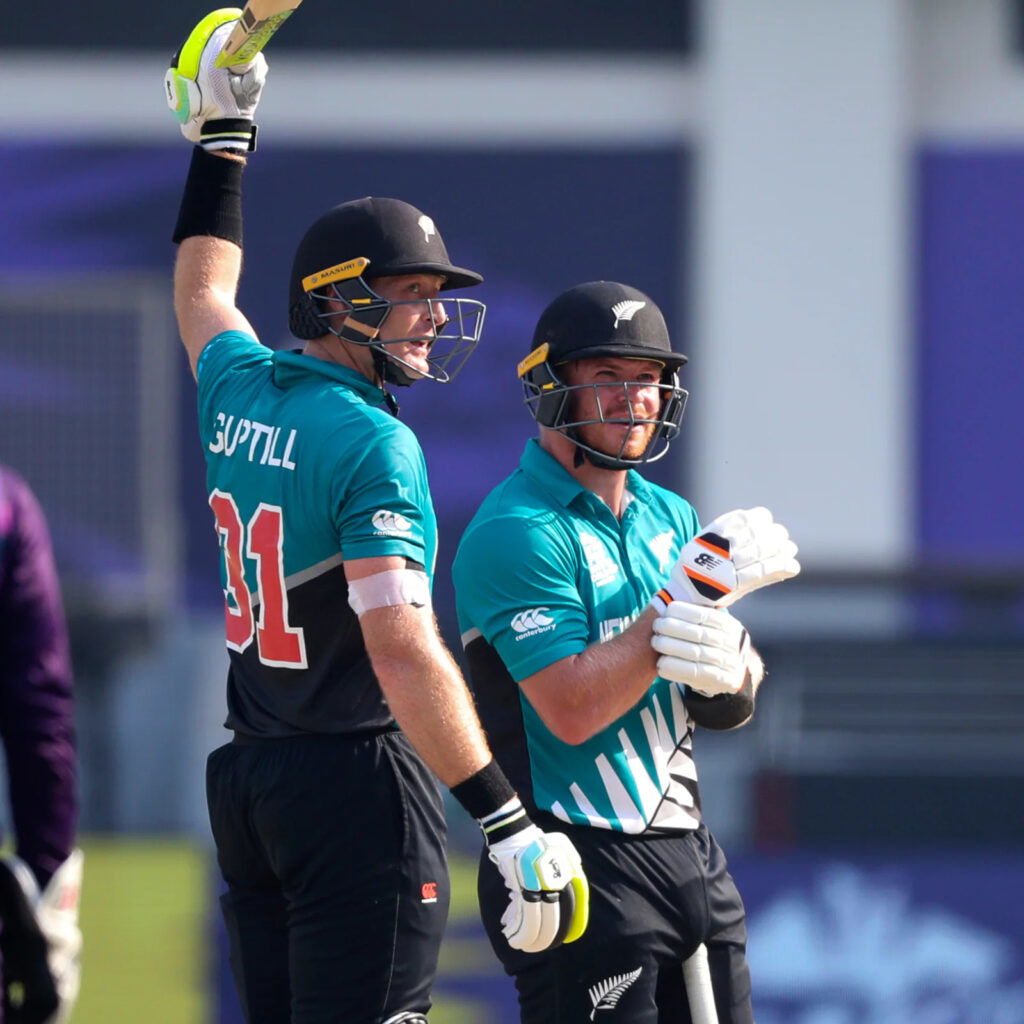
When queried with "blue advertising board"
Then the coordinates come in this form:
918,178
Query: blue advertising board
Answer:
534,222
895,937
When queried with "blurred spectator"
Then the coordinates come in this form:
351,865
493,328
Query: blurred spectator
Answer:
39,938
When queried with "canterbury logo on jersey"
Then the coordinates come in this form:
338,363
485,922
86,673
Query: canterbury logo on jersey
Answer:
531,622
391,523
626,310
606,994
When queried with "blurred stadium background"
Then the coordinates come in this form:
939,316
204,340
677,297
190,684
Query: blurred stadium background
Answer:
827,198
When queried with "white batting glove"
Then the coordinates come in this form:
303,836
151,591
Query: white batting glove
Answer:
734,555
704,648
549,898
56,912
214,106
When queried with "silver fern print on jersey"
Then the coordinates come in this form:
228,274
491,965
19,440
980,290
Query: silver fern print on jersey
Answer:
663,775
605,995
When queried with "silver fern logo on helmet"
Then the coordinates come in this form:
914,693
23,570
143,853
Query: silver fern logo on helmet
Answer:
605,995
626,310
427,227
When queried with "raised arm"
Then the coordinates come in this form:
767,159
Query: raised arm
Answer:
206,274
214,107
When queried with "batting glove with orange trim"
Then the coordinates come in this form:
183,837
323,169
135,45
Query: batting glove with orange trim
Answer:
739,552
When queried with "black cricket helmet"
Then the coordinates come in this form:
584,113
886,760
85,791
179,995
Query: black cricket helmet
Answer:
601,318
370,238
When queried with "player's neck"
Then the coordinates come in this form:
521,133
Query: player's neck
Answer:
332,349
608,484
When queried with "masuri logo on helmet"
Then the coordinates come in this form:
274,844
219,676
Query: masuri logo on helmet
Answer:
370,238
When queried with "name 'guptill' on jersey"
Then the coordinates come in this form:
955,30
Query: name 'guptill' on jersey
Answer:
301,476
543,571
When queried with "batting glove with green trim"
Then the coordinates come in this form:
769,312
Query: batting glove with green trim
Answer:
549,897
215,106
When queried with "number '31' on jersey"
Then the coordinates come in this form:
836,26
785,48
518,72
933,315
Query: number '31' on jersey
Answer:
306,467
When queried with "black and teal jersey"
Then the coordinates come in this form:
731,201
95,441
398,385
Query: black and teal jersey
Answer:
543,571
306,467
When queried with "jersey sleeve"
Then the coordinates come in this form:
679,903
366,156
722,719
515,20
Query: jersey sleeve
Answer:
223,355
382,498
516,582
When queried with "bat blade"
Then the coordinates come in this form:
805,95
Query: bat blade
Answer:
699,993
259,21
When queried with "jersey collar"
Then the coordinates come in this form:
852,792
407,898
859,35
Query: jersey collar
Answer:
550,474
291,368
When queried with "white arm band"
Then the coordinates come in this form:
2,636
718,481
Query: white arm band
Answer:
383,589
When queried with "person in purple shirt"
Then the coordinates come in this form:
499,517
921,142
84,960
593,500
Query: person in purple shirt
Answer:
39,885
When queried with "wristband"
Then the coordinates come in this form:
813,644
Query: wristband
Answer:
489,797
233,134
212,201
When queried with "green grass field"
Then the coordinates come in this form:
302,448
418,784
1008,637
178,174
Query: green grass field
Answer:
143,913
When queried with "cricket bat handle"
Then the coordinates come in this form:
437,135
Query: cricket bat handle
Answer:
259,21
699,993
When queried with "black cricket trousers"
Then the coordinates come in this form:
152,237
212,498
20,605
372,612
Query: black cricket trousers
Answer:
333,851
654,899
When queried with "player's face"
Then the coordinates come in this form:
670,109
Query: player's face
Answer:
419,319
628,392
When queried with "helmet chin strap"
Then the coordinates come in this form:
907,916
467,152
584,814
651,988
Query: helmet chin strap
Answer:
390,371
606,462
586,454
354,329
601,461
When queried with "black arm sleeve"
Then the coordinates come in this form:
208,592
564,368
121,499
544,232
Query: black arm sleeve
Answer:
726,711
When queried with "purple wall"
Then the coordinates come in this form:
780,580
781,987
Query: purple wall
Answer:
533,222
970,338
537,222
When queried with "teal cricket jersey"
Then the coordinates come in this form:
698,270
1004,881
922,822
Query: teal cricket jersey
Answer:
543,571
306,467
